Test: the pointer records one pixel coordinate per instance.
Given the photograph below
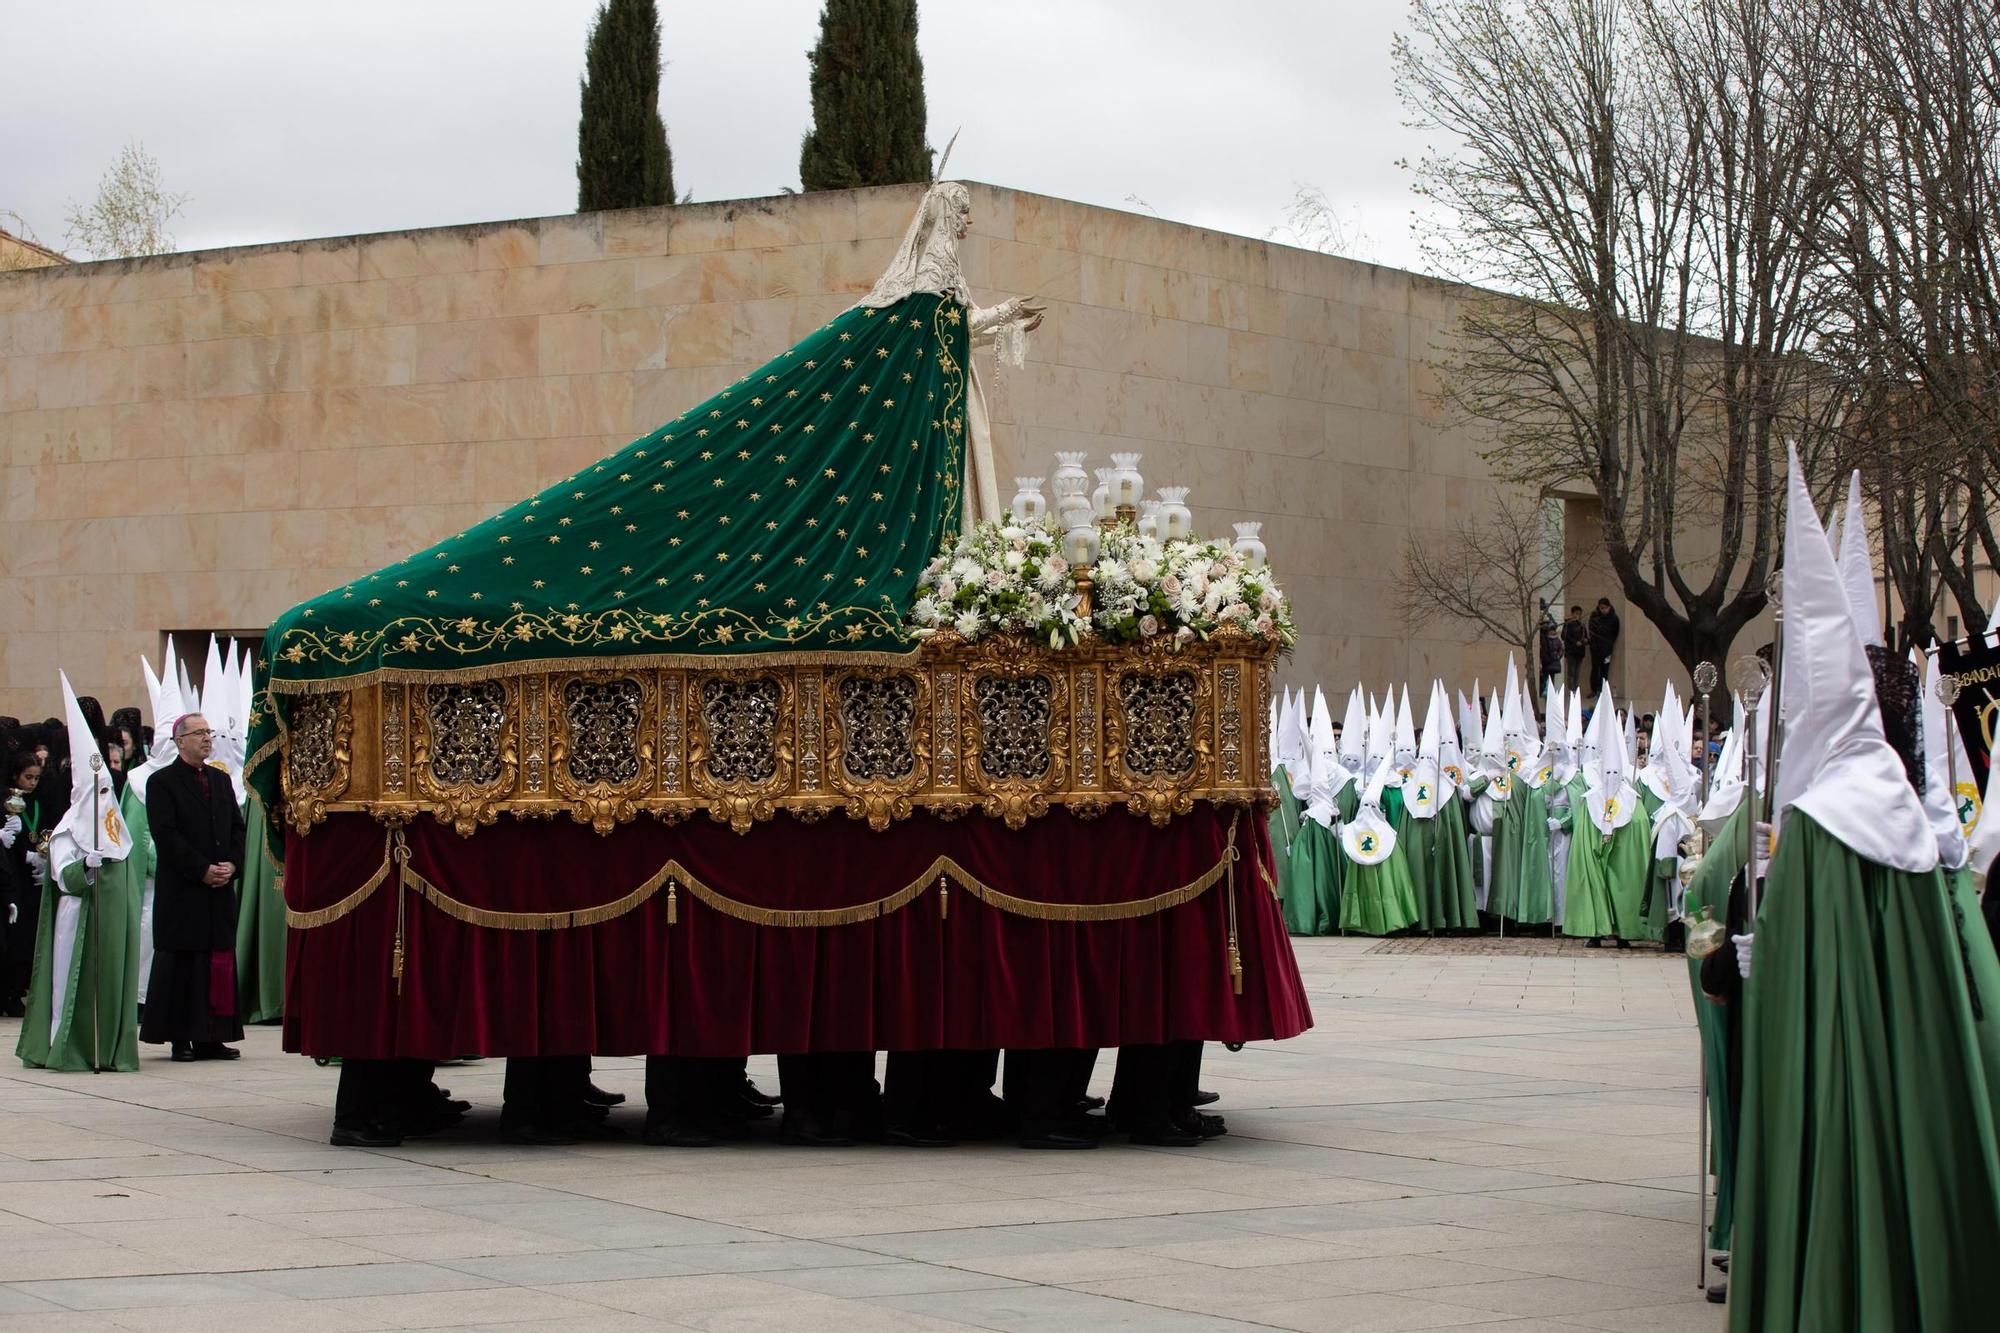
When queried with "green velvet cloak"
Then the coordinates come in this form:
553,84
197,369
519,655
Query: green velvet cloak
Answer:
1868,1177
1720,863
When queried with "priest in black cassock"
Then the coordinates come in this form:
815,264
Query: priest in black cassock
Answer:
198,828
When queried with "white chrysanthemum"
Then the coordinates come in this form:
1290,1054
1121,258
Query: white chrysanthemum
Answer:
967,624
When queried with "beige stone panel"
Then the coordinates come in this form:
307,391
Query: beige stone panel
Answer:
508,410
316,361
24,491
703,335
60,380
503,471
637,231
1363,435
562,457
227,271
605,285
763,330
569,239
1040,220
28,664
1384,332
812,313
789,220
342,418
659,396
1013,266
853,269
423,298
483,349
1072,398
1249,362
587,404
885,211
86,328
228,367
668,280
330,261
385,354
393,256
350,305
30,332
1147,409
322,478
694,230
215,483
1227,305
630,339
17,384
134,323
139,280
421,413
510,245
571,343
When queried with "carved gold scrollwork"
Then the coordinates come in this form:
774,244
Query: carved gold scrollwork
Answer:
318,756
602,761
464,760
1156,743
1016,742
878,741
740,754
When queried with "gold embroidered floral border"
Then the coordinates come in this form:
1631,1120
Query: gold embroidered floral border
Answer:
1005,726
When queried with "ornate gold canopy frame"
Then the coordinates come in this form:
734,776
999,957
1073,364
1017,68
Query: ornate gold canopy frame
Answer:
1004,726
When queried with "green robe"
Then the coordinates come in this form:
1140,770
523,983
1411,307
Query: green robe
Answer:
1868,1176
1721,861
1378,899
260,925
1440,860
1660,871
1284,826
100,1010
1523,888
132,805
1312,898
1606,878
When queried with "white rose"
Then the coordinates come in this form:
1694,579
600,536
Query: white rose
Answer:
1149,626
1268,600
1170,585
1057,565
995,579
1183,635
947,590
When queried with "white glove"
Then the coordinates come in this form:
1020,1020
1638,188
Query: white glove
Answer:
1555,826
91,860
1743,943
38,865
13,913
10,831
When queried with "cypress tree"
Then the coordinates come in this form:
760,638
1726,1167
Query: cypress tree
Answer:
868,98
622,159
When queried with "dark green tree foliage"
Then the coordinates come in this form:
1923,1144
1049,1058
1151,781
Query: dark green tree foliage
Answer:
868,98
622,159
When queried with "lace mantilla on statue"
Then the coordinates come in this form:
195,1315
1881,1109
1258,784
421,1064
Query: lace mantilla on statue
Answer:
927,261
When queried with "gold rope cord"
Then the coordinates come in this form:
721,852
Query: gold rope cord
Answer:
673,874
327,915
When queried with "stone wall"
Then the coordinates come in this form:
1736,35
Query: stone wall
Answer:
203,439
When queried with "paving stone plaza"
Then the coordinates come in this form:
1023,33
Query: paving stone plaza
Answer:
1488,1134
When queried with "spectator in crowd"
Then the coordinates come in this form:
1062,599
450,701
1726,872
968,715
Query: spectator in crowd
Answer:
1603,640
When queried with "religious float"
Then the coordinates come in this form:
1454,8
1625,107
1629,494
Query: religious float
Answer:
748,738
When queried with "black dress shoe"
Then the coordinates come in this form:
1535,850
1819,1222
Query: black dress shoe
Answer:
1056,1140
371,1136
597,1096
1206,1098
1207,1126
181,1053
1091,1104
755,1097
1165,1135
807,1132
1718,1292
215,1050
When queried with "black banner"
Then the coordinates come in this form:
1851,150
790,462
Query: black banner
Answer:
1975,662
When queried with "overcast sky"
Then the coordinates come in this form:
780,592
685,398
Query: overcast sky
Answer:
286,119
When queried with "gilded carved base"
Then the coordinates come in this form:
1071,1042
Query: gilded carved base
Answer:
1006,727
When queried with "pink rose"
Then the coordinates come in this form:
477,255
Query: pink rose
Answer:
1149,626
1170,585
996,579
1056,565
1264,625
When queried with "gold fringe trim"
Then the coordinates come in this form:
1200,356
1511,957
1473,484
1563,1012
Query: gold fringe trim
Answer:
673,875
623,662
297,920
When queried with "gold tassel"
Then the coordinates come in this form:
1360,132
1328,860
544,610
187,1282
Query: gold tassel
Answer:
401,852
944,899
673,905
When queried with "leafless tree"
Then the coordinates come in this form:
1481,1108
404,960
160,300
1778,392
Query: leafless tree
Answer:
1311,222
1912,248
132,213
1624,194
1489,573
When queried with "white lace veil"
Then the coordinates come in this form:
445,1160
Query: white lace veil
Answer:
927,260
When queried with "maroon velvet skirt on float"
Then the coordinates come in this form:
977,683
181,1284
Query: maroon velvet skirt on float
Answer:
549,939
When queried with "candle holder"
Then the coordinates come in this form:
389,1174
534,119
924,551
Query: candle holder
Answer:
1176,519
1248,544
1029,503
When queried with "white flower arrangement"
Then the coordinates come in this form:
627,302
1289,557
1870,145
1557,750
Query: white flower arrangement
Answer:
1188,589
1003,578
1012,578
